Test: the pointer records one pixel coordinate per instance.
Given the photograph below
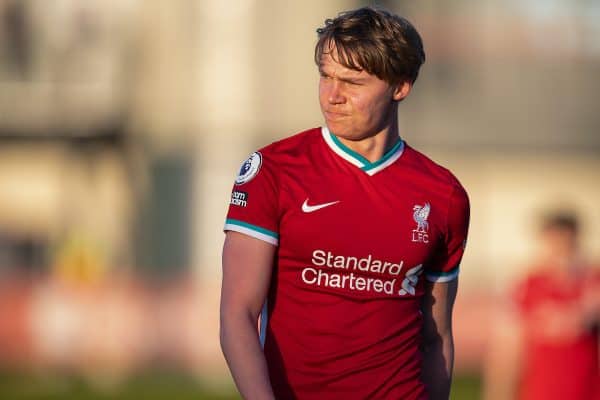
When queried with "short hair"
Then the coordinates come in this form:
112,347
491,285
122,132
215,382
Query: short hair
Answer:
564,220
377,41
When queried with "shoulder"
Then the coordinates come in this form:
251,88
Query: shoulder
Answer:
532,286
426,166
291,145
537,278
433,175
270,159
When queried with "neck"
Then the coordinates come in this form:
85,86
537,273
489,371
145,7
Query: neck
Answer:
374,147
563,266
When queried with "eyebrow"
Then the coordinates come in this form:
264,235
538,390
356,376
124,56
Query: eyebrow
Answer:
352,80
342,78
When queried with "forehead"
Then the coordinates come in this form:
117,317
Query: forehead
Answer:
331,64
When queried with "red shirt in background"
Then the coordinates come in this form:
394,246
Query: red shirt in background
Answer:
561,347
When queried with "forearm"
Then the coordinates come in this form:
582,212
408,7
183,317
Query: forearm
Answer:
438,362
242,350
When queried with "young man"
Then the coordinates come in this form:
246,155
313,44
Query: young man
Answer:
346,238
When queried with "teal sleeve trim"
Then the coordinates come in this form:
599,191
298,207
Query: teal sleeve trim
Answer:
252,227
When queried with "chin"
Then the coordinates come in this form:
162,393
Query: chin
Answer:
351,136
342,131
338,129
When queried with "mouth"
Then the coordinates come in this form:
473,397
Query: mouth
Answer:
331,115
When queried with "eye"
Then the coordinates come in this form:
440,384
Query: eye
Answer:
354,83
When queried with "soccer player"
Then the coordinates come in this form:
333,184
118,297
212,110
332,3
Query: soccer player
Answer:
546,345
345,239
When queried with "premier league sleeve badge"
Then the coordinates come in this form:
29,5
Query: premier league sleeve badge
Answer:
249,169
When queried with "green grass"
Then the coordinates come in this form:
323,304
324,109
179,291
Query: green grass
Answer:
148,386
466,387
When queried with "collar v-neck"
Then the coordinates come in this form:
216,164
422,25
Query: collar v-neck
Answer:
370,168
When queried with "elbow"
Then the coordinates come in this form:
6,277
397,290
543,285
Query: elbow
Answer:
226,326
227,322
431,341
231,322
222,333
434,339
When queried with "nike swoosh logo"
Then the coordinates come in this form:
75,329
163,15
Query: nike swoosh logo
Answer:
307,209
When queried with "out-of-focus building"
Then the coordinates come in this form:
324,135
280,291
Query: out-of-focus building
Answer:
123,124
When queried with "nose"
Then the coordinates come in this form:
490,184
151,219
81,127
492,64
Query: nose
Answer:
335,93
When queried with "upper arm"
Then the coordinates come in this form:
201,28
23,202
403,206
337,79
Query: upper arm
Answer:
442,271
247,266
252,234
444,265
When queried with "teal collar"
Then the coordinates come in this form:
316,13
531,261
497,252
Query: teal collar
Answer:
361,162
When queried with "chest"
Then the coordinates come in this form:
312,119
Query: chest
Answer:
390,217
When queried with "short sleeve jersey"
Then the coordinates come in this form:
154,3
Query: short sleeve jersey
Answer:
355,241
560,362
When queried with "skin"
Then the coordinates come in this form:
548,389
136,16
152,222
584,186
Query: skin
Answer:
247,264
362,111
438,340
359,108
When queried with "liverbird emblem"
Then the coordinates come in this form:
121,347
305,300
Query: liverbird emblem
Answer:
420,216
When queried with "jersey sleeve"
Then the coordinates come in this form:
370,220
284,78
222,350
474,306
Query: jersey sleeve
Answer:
253,207
445,265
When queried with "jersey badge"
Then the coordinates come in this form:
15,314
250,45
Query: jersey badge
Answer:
420,215
249,169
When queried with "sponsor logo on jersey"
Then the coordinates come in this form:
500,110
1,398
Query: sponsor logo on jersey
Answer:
360,274
420,214
239,198
308,209
249,169
410,282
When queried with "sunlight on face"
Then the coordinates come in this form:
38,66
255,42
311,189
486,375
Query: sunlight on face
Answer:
355,104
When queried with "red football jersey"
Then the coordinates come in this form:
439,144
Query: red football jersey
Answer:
561,357
355,240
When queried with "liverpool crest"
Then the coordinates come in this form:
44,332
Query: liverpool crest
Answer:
420,215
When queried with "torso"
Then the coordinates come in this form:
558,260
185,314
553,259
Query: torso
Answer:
355,243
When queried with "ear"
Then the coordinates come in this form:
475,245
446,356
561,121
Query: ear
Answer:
401,90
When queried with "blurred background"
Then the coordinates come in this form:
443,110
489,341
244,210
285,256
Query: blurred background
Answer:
123,124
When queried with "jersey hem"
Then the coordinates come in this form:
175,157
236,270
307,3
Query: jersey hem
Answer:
252,230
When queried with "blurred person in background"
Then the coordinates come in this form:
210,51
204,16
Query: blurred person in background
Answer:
546,343
348,239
